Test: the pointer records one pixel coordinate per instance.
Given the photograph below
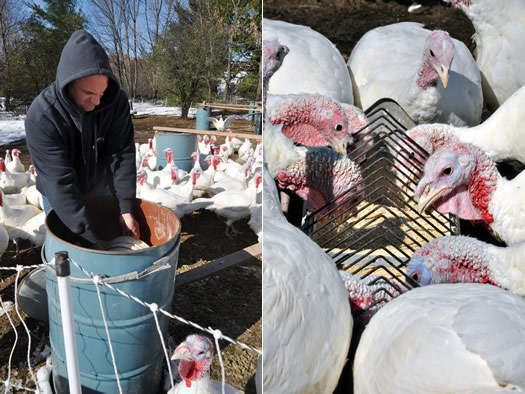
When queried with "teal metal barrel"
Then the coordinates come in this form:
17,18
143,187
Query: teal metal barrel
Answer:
202,122
252,112
182,145
148,274
258,124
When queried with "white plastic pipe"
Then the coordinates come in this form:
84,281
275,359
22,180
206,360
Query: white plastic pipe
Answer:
68,322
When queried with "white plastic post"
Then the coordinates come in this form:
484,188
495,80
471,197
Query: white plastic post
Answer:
68,323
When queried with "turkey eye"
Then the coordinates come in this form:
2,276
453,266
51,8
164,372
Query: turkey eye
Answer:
447,171
338,127
431,53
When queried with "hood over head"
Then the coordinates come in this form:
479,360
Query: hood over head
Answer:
81,57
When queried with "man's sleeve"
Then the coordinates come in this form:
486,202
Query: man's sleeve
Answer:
57,178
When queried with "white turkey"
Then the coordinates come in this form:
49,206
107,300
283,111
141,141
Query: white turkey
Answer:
176,203
461,259
226,184
207,177
255,221
249,153
432,76
500,48
313,65
146,149
33,196
446,338
4,240
316,174
307,324
273,56
310,120
462,180
163,177
138,158
8,159
16,215
235,142
31,175
185,190
23,222
15,165
11,182
500,136
195,355
221,124
232,205
14,198
203,144
244,148
33,230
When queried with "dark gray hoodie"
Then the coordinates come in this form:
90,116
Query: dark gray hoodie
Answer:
75,153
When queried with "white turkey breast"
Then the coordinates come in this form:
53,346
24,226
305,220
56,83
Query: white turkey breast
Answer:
500,47
445,338
386,63
313,65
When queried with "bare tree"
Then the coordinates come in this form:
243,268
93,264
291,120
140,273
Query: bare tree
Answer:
117,26
157,14
108,19
10,17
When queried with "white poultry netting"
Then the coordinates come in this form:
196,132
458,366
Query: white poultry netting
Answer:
98,281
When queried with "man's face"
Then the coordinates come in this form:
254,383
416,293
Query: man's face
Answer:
86,92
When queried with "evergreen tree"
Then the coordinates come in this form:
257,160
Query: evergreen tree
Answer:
46,32
241,21
193,53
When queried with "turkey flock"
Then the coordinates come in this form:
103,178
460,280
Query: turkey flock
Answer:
228,187
462,326
217,182
21,206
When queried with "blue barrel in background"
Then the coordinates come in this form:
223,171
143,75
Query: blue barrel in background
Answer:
252,112
258,124
182,145
202,122
148,274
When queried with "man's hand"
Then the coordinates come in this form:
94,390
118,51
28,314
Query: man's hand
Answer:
130,225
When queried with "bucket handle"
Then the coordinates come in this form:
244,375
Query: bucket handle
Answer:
158,265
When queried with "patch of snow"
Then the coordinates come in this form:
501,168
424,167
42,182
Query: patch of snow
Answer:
13,129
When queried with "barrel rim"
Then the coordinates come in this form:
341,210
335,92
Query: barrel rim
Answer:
178,231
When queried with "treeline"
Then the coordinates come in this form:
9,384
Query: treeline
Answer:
179,50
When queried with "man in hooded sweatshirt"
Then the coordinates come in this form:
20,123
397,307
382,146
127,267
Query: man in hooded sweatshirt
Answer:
81,139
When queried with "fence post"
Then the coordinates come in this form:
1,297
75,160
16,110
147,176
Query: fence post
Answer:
68,323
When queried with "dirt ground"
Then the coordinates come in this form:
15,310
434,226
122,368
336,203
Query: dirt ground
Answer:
229,301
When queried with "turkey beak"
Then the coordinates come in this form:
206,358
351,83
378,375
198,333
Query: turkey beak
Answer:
428,196
181,353
443,73
338,145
